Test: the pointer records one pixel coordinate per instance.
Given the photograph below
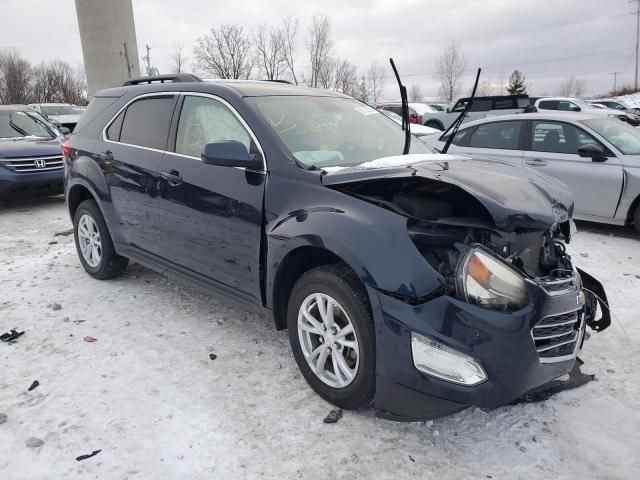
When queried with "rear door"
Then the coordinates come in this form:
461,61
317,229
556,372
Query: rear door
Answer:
553,150
130,155
211,216
495,141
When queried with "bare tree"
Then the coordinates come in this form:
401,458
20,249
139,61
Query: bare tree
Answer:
270,52
178,57
415,93
375,81
289,34
68,82
225,52
449,68
363,92
15,77
319,46
43,88
346,78
572,87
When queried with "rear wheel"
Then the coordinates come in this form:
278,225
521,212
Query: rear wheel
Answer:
332,337
94,244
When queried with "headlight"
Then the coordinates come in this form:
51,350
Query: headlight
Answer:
490,283
440,361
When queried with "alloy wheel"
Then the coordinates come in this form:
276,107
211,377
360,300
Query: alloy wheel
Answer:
89,240
328,340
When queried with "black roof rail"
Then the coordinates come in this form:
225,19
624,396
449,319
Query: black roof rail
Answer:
279,81
174,78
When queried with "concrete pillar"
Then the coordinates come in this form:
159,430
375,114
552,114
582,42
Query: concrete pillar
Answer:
109,47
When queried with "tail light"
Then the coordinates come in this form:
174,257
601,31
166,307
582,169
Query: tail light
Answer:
65,153
415,118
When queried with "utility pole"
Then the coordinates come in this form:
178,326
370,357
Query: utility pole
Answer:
637,12
147,58
615,80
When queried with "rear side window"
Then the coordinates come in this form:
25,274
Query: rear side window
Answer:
549,105
113,132
481,105
500,135
146,122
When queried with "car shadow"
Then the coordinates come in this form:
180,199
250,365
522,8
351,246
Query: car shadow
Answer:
19,202
605,229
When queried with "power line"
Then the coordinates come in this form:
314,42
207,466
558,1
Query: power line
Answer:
518,64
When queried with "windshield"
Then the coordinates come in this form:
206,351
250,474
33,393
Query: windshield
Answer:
22,124
329,131
624,137
61,110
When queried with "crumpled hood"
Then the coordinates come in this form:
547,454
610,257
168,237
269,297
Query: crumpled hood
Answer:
513,196
30,147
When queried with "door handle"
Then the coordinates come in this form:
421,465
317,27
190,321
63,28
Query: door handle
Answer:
536,162
106,157
172,177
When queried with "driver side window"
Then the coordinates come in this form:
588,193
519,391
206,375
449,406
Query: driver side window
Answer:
204,120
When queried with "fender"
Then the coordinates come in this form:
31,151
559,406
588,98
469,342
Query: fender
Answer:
356,233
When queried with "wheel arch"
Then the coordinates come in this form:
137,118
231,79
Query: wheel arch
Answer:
291,268
77,194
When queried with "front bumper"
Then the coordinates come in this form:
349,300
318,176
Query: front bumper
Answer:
502,342
46,182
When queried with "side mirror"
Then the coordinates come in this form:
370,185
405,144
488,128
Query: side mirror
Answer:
230,153
64,131
592,151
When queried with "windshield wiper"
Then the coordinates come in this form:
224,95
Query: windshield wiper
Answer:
405,110
16,127
458,121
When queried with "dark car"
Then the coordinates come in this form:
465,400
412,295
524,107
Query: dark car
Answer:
30,153
424,282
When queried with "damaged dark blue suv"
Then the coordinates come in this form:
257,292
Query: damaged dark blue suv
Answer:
419,283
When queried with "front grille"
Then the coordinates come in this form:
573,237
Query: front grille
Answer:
33,164
558,336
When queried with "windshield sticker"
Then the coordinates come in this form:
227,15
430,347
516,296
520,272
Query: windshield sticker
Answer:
366,110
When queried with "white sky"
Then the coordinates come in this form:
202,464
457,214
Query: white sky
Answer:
549,40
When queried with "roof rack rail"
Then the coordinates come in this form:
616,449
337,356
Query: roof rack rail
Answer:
174,78
279,81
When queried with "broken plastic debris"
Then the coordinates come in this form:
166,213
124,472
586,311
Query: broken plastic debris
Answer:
576,379
33,385
11,336
90,339
334,416
88,455
213,356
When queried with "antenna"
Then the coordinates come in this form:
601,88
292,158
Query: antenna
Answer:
405,110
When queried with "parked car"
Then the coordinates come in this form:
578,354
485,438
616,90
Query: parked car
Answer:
565,104
417,129
426,282
615,106
30,153
417,111
61,114
597,157
482,107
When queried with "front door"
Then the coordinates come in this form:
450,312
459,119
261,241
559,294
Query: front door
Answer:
211,216
553,150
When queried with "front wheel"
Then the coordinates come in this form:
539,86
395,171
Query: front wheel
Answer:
332,337
94,244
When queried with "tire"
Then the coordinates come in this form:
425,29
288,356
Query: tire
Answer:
434,124
109,264
636,218
335,282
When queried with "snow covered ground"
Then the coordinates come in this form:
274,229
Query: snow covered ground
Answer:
147,394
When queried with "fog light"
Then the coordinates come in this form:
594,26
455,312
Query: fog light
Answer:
443,362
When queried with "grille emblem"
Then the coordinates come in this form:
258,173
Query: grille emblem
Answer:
40,163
